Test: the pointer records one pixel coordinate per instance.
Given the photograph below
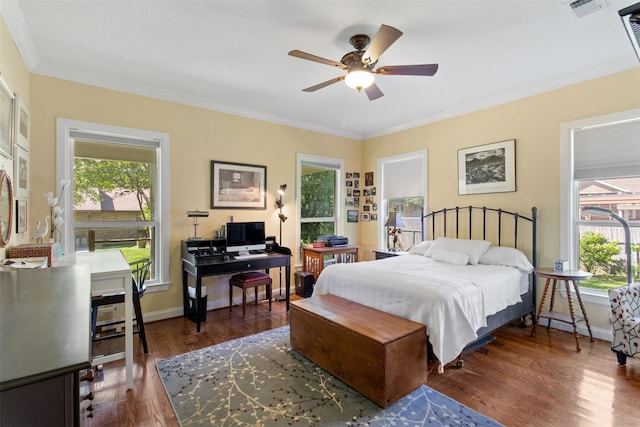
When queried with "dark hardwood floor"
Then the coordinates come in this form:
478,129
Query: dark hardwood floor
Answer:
517,380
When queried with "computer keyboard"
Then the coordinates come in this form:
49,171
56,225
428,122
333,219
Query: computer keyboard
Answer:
250,256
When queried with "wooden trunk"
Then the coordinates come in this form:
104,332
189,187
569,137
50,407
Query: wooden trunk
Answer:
382,356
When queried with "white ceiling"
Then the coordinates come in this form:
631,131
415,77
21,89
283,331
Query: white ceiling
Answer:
231,56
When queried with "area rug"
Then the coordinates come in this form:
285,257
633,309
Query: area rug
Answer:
260,381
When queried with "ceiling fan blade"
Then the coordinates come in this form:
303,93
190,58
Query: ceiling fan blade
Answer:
385,37
408,70
323,84
373,92
303,55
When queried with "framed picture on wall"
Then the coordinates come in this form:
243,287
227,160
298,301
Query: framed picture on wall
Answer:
238,186
6,120
489,168
22,120
21,216
352,216
21,171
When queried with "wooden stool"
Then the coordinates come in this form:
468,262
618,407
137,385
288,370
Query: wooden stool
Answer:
252,279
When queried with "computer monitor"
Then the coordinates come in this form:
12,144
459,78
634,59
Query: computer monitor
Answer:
243,237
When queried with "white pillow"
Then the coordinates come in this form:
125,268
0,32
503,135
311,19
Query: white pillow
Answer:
511,257
450,257
473,248
420,248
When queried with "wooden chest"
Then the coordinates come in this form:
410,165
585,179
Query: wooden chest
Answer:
382,356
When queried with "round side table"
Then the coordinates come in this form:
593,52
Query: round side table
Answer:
570,279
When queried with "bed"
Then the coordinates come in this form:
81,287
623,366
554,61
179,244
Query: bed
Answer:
470,274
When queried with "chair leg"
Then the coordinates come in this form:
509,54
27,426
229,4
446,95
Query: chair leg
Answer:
140,322
230,297
94,320
244,302
255,292
622,358
269,295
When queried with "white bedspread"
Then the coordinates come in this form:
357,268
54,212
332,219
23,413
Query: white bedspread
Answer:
453,301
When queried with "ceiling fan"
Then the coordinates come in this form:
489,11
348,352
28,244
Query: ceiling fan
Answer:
359,64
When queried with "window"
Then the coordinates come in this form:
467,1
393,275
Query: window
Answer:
319,186
116,177
404,184
601,167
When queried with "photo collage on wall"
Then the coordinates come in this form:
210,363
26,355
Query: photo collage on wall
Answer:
361,195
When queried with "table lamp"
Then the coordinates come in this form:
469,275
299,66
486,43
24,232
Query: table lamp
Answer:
195,215
394,220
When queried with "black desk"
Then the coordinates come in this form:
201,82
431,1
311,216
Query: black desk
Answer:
203,266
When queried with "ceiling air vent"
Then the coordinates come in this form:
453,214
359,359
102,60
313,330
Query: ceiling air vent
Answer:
581,8
631,20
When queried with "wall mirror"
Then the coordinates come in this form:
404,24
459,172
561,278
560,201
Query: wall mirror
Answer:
6,207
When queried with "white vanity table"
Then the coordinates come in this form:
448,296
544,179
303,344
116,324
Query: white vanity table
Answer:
110,273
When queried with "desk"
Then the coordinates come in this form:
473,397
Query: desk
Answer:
568,277
203,266
110,273
45,340
313,258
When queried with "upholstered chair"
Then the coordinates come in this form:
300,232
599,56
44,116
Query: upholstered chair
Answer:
625,321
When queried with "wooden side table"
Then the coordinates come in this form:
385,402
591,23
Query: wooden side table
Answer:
313,258
381,254
572,278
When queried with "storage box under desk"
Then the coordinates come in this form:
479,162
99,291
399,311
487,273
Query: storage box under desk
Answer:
382,356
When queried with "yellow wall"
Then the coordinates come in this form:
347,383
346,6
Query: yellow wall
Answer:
15,74
198,136
534,123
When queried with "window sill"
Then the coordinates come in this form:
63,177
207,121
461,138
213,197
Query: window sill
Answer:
157,287
591,296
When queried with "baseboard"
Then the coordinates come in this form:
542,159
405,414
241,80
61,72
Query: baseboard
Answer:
598,333
153,316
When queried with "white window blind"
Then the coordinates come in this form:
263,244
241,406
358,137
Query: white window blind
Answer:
404,178
611,151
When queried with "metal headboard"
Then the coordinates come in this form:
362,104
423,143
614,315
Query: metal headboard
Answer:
490,220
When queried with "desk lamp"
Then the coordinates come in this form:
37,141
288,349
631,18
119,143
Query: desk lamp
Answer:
195,215
283,218
596,210
394,220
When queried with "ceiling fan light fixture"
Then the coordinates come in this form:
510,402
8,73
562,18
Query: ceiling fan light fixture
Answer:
359,79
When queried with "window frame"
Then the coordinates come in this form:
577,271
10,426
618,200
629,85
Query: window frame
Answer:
569,193
338,166
107,133
422,155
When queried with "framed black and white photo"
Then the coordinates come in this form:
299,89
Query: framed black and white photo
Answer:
238,186
352,216
22,120
21,171
21,216
489,168
6,120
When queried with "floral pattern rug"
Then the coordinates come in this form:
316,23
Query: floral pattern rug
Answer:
260,381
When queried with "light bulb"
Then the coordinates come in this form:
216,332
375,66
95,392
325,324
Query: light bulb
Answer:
359,79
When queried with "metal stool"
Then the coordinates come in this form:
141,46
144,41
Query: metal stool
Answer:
252,279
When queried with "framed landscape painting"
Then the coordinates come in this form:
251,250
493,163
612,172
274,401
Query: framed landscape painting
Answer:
238,186
489,168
